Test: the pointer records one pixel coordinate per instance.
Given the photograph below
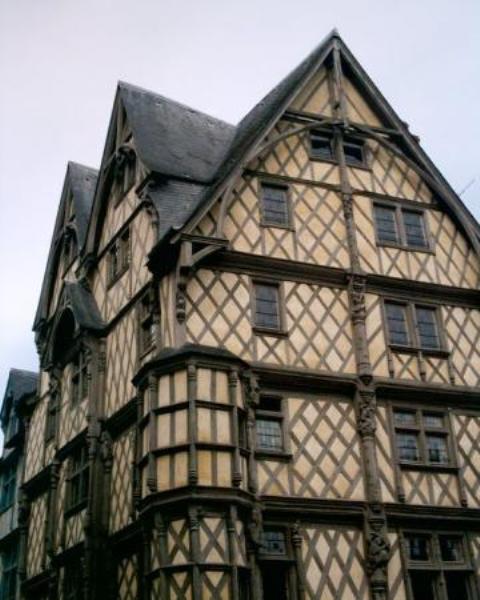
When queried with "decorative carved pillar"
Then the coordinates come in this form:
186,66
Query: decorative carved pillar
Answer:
192,424
182,275
194,527
232,394
376,539
297,552
252,399
152,396
231,518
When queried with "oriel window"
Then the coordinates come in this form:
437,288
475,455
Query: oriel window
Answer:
267,306
275,209
78,478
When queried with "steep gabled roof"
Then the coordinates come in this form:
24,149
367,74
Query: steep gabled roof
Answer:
173,139
19,384
80,182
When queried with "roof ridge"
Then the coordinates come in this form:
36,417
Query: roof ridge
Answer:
126,85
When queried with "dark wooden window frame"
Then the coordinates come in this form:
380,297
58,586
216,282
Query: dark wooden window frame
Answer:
412,328
145,321
8,481
51,418
422,431
79,379
273,183
120,246
78,470
399,208
279,331
8,583
356,141
279,416
435,566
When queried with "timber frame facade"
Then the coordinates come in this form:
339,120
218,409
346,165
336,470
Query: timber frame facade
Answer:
260,359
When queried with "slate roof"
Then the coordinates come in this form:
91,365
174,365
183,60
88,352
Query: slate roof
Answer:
19,383
173,139
84,307
82,181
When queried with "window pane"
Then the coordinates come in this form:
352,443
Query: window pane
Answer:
405,418
353,153
418,547
269,434
275,205
386,224
437,449
423,585
266,306
397,324
407,446
273,542
321,146
431,420
451,548
427,328
457,585
414,229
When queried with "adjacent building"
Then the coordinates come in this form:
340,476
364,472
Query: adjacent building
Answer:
259,358
21,388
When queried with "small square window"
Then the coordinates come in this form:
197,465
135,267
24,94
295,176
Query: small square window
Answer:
269,434
437,449
414,229
354,151
418,548
427,327
321,146
397,323
386,224
274,543
407,447
275,205
433,420
267,313
451,548
405,418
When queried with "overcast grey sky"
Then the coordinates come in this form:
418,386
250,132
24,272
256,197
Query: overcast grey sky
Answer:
60,61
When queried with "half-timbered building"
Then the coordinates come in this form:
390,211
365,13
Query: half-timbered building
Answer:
260,359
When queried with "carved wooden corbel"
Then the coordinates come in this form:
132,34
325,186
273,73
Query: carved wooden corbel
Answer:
366,420
378,553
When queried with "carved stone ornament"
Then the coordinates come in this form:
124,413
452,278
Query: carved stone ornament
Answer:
366,422
255,528
106,449
252,389
378,551
180,299
357,294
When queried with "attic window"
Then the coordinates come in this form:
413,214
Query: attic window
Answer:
321,146
275,209
354,151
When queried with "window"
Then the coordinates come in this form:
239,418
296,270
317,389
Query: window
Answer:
145,322
400,226
354,151
119,256
51,418
267,313
78,479
79,379
273,542
275,209
438,567
269,425
242,429
8,581
275,565
7,495
125,173
422,437
413,325
321,146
